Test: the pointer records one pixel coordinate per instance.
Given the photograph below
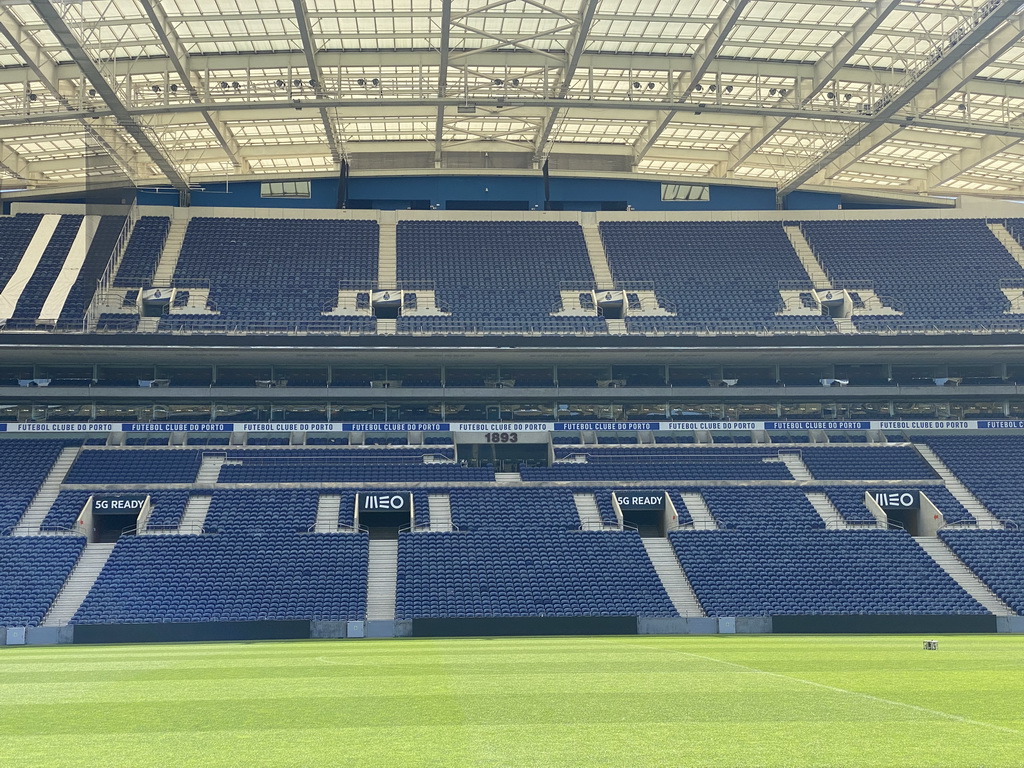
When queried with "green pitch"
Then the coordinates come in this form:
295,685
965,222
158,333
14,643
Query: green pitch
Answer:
621,701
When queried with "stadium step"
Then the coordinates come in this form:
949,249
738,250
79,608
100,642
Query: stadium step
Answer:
194,518
11,294
844,325
78,584
40,505
962,575
590,515
387,258
172,250
795,464
209,470
598,257
702,518
508,477
328,507
616,327
806,255
1009,242
826,510
959,491
382,579
672,576
440,508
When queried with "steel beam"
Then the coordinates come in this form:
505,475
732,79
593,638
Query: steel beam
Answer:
316,75
179,60
50,16
826,70
573,53
952,68
702,59
442,76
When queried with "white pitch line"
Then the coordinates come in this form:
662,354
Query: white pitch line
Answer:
893,702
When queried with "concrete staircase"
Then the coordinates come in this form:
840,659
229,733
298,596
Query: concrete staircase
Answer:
845,325
440,508
962,575
382,580
811,264
40,505
795,464
959,491
194,518
616,327
827,510
702,518
672,576
598,257
328,507
590,515
1009,242
209,469
387,259
172,250
78,584
508,477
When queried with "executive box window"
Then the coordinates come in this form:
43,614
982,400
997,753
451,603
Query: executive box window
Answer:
296,189
685,193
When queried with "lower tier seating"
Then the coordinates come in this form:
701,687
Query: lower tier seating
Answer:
231,577
754,573
516,573
997,557
32,571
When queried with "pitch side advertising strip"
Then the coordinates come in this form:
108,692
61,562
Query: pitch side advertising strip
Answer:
523,426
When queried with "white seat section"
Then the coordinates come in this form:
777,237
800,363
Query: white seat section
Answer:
69,271
11,293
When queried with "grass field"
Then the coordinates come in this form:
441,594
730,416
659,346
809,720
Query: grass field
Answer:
614,701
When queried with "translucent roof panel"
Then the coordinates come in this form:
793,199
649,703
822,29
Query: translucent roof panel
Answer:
916,96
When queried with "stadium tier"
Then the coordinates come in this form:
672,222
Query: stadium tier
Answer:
322,276
264,532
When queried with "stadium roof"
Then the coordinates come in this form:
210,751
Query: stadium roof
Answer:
883,96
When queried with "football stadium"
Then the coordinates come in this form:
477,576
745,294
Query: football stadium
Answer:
512,382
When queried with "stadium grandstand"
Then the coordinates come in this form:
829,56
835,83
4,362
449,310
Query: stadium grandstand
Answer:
325,319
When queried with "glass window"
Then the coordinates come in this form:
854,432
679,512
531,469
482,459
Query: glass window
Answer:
298,189
685,193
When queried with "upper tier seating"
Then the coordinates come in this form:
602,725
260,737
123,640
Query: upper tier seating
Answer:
39,284
897,462
15,234
517,573
665,463
990,466
24,465
942,273
230,577
719,276
135,465
138,265
495,275
997,557
760,508
32,571
96,259
770,573
479,509
274,274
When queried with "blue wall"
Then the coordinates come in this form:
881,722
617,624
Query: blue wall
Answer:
523,192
